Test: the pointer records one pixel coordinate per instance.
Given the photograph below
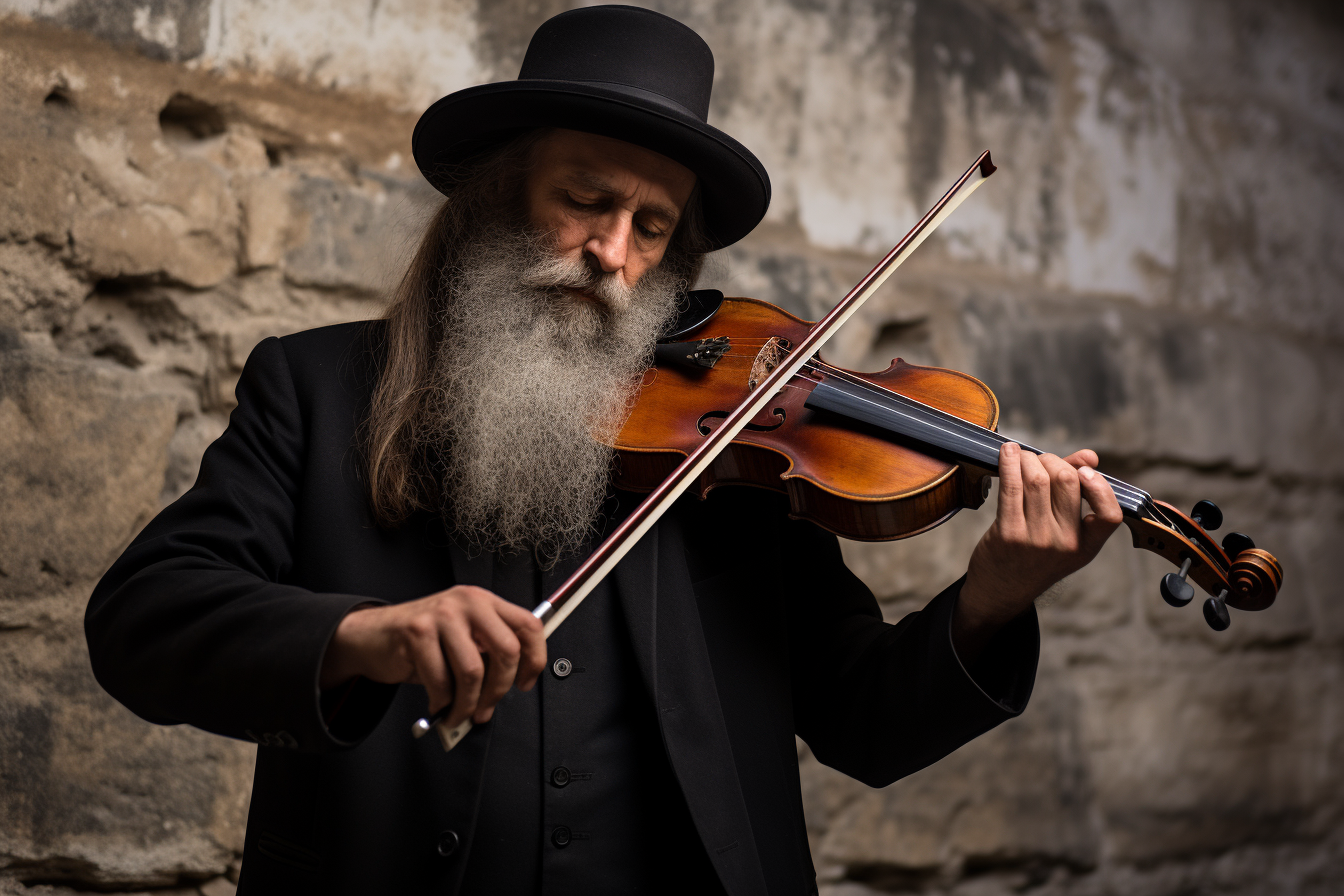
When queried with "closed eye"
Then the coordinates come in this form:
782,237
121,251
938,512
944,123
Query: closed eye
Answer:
579,202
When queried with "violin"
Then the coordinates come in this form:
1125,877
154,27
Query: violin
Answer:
739,394
880,456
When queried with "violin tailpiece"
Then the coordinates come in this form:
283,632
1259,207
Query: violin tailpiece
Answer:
704,353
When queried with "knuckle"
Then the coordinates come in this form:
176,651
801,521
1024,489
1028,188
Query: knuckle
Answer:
472,672
456,595
421,627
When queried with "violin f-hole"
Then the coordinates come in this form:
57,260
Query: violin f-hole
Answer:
703,424
765,421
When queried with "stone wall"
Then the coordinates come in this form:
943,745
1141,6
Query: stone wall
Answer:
1156,271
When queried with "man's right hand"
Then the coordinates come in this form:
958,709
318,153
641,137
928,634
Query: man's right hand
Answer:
442,642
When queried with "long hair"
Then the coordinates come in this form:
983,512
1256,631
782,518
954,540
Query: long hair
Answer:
402,468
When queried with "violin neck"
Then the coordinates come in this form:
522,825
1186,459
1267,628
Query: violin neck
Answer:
929,428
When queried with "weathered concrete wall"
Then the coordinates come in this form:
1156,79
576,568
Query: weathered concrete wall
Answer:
1156,271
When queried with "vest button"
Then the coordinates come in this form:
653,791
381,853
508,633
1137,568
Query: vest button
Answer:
560,776
447,844
562,667
561,837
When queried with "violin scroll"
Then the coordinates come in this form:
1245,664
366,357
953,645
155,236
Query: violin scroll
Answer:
1256,577
1237,574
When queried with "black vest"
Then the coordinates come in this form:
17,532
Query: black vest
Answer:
579,795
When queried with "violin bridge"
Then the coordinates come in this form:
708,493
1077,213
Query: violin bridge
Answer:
767,359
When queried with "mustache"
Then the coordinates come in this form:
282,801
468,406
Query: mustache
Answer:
552,273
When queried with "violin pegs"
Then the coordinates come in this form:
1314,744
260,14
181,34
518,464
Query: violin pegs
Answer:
1176,591
1207,514
1235,542
1215,612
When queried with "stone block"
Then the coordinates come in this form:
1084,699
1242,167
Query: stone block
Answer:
1135,383
1021,792
152,241
85,449
143,328
1192,752
161,29
38,291
180,221
268,227
93,796
351,234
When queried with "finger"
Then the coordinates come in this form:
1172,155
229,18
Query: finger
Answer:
1036,507
467,664
1065,494
1085,457
1010,515
1106,515
429,666
531,636
499,642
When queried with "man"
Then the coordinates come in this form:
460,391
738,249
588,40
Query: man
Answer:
392,497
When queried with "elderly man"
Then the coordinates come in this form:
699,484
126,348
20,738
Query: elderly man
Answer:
392,497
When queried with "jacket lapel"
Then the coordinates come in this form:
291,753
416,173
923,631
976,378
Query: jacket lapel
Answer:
655,590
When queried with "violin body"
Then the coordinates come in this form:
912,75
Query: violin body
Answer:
847,478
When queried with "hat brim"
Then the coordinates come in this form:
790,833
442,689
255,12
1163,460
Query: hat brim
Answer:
735,190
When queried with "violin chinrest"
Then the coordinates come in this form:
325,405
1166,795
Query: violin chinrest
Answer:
696,307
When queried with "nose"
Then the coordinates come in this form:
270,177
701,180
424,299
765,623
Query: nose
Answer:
609,241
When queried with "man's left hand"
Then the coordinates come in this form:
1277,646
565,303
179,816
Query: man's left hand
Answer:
1038,537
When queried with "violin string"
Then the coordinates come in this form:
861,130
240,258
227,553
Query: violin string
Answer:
988,439
985,438
978,435
952,425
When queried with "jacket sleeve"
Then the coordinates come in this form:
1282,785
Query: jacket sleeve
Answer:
880,701
194,622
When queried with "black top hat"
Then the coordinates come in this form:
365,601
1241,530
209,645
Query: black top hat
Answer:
617,71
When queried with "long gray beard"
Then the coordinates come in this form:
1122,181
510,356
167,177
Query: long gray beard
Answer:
532,387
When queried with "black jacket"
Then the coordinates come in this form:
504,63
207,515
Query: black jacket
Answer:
746,625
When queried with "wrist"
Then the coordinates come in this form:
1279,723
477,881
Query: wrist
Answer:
980,613
340,662
983,604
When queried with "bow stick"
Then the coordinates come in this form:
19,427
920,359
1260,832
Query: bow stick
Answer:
566,599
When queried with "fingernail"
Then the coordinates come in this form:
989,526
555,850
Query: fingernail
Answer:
1010,449
1086,472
